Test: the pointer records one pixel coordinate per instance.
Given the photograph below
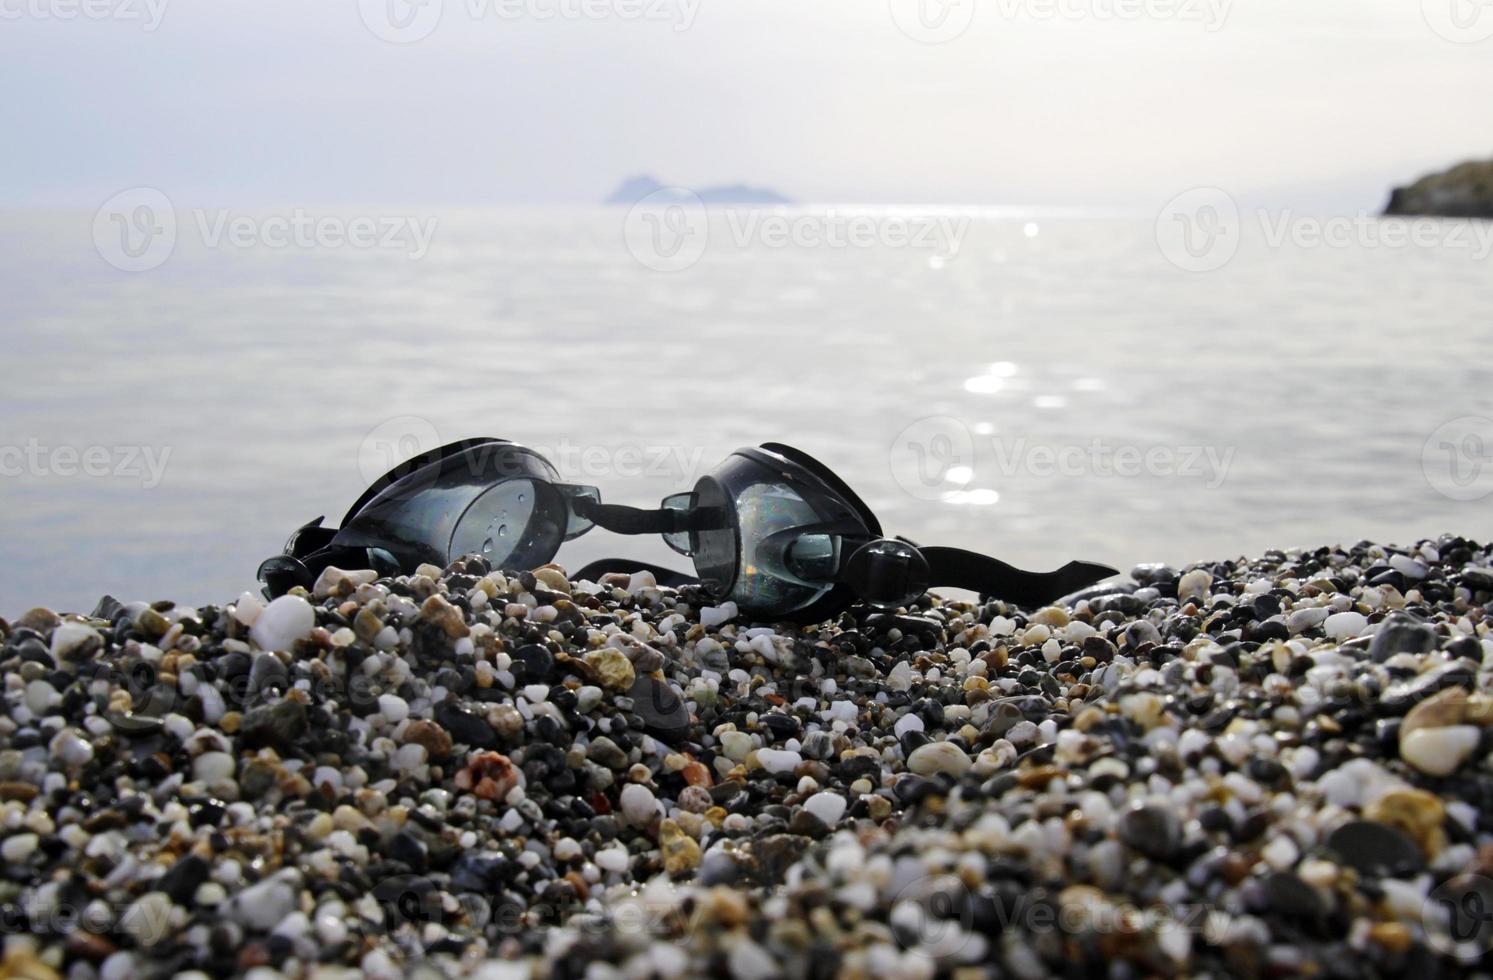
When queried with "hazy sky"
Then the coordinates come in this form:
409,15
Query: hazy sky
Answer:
1125,102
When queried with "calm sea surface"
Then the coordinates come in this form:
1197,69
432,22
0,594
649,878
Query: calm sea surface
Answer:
1054,387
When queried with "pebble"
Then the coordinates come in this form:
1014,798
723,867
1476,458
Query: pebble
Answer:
778,760
1374,849
75,641
681,851
827,807
639,805
283,623
1401,636
1152,830
1309,617
336,581
664,713
18,847
713,616
393,707
148,919
1440,751
612,668
41,697
813,800
263,905
213,767
939,757
736,745
1194,585
1345,625
70,749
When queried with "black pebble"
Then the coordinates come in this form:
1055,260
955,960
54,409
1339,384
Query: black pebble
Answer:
1374,849
664,714
464,727
182,879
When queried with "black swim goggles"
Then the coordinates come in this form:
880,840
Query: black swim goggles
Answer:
770,529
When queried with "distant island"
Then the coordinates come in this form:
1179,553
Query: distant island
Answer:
1464,191
634,189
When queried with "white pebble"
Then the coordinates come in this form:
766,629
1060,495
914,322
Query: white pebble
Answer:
711,616
213,767
1345,625
41,697
148,919
778,760
936,757
1281,853
899,678
908,723
748,961
828,807
393,707
1439,751
247,609
736,745
71,749
283,622
18,847
1301,620
410,756
614,858
639,805
261,906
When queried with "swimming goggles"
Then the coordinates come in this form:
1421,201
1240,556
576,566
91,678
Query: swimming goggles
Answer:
770,529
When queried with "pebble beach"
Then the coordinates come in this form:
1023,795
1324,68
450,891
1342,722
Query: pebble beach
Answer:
1263,767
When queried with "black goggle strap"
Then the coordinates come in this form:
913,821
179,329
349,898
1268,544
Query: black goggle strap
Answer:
667,577
990,577
635,520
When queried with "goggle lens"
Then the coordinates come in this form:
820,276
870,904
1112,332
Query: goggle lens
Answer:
516,523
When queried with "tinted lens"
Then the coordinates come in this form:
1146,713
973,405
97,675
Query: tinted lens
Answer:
575,524
762,510
680,541
813,557
516,524
715,548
